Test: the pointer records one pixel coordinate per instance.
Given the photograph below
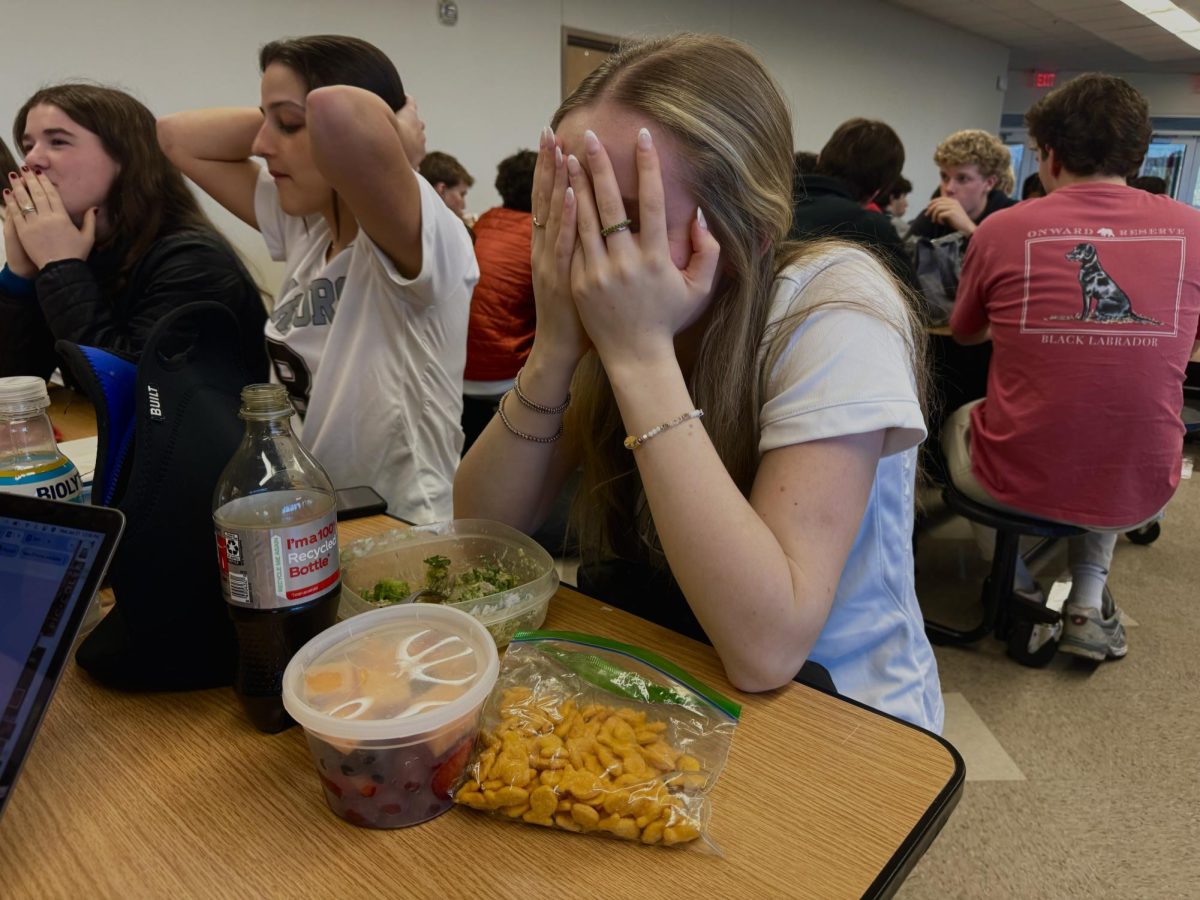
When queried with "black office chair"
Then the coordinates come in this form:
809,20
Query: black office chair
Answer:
1008,616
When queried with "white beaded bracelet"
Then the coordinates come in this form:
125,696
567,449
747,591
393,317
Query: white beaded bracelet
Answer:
632,443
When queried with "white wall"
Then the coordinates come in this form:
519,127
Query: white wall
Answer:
486,86
1169,94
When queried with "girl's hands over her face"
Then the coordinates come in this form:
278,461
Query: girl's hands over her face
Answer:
17,260
631,297
44,229
559,333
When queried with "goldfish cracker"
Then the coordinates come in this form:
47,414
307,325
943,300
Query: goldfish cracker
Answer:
586,817
534,819
679,834
621,731
543,800
558,755
659,755
511,796
653,832
564,821
687,764
549,745
473,799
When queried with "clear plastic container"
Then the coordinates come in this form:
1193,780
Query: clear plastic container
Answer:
30,462
390,703
401,554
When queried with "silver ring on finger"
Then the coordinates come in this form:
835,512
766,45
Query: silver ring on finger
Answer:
537,224
623,225
28,209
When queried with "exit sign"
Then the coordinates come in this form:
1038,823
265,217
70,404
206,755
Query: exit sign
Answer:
1044,79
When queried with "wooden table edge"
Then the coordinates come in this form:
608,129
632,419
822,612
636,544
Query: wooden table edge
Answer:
927,828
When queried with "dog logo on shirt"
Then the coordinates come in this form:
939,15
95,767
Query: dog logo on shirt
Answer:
1103,299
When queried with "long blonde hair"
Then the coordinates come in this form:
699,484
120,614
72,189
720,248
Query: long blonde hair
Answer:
734,130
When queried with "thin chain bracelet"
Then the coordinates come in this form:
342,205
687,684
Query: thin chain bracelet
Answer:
632,443
537,407
521,434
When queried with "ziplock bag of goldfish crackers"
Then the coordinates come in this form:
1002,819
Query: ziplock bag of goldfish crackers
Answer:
589,735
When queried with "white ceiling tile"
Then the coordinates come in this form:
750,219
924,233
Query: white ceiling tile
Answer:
1066,34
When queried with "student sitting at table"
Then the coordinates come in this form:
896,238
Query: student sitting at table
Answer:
503,317
369,331
102,236
973,166
746,409
1091,328
451,180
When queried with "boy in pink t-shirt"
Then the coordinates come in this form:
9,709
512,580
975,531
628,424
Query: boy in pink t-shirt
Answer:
1091,297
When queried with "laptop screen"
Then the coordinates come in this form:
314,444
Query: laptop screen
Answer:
52,557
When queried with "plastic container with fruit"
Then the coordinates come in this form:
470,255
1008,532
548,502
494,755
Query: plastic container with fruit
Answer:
390,703
486,569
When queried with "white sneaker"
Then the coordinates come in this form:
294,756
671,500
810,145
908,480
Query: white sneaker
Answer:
1087,633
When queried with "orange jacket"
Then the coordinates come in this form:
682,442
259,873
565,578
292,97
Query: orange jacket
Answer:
502,313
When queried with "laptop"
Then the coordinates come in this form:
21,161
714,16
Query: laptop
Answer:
53,557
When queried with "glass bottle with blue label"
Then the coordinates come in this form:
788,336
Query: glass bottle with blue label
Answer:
30,461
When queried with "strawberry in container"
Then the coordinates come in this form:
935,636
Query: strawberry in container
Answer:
390,703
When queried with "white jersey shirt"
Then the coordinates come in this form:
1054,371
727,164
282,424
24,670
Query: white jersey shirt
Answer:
844,370
373,360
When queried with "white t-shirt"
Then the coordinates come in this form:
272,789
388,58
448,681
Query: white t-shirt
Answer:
846,371
375,360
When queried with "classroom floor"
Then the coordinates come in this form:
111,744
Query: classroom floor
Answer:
1082,780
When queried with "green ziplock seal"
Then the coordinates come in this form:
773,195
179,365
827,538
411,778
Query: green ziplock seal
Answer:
622,682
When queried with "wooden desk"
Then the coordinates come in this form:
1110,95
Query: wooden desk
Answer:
72,413
176,795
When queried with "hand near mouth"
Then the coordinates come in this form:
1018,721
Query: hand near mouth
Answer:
41,222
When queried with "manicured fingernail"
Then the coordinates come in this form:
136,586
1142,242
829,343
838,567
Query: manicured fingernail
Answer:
13,175
558,158
644,139
591,141
570,196
700,220
573,165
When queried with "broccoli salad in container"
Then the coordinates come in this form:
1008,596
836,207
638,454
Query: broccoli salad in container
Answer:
484,568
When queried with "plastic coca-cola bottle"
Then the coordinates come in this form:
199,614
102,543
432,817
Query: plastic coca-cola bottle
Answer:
276,521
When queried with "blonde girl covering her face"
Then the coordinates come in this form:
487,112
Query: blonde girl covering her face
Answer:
757,540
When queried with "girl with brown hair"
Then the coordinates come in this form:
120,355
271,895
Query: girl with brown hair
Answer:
102,236
746,410
369,331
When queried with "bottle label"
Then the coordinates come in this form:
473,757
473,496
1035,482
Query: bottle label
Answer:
56,480
272,568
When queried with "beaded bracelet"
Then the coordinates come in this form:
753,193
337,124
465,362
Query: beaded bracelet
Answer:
521,434
537,407
632,443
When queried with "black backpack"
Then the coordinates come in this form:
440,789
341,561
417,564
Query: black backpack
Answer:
166,429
